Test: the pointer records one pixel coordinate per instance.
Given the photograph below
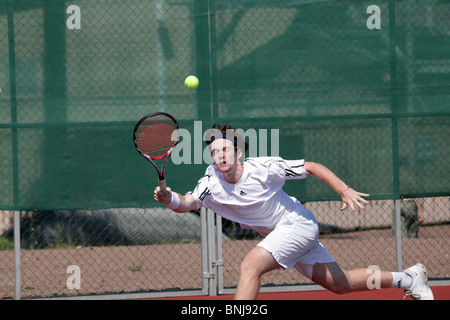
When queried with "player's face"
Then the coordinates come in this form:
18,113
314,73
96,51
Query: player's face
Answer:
223,154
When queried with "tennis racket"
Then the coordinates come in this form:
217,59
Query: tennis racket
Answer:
155,137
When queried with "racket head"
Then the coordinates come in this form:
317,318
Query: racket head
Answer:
156,135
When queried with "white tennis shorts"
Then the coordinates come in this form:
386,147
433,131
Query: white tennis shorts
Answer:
294,242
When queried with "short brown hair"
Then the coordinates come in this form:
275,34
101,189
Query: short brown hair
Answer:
227,132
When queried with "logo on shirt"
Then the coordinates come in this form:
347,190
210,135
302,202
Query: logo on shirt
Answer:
242,193
205,193
289,173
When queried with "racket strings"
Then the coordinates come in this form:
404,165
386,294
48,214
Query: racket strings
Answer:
156,138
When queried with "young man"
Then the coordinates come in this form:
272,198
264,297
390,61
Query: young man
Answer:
250,192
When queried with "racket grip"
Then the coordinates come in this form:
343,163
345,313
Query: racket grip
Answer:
162,185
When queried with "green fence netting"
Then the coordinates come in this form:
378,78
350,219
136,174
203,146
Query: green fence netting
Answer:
360,86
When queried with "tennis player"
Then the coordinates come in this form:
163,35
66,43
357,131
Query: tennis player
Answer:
249,191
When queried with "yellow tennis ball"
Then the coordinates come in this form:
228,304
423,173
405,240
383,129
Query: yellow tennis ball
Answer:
191,82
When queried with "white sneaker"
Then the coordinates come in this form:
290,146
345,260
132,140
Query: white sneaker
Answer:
419,289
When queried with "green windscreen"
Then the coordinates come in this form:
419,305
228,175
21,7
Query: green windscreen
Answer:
362,87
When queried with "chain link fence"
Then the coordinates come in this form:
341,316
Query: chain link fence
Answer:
361,87
113,251
125,251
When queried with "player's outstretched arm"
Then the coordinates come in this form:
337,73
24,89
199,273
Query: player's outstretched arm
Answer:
350,197
175,201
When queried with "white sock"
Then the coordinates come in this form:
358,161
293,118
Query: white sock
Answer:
401,280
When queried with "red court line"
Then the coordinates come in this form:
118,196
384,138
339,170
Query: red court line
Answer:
439,292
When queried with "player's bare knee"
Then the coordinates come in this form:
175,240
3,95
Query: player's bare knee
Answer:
337,286
341,288
341,284
333,278
249,268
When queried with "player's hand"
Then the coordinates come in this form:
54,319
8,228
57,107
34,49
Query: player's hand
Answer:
163,197
353,199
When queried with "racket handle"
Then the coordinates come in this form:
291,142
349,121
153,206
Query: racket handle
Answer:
162,185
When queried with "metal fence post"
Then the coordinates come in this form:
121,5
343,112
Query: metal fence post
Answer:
211,254
204,240
398,234
212,264
17,294
219,262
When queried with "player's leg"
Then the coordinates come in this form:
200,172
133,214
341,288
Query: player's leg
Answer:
332,277
413,280
257,262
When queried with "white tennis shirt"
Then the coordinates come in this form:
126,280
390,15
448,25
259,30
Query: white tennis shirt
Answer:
258,198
